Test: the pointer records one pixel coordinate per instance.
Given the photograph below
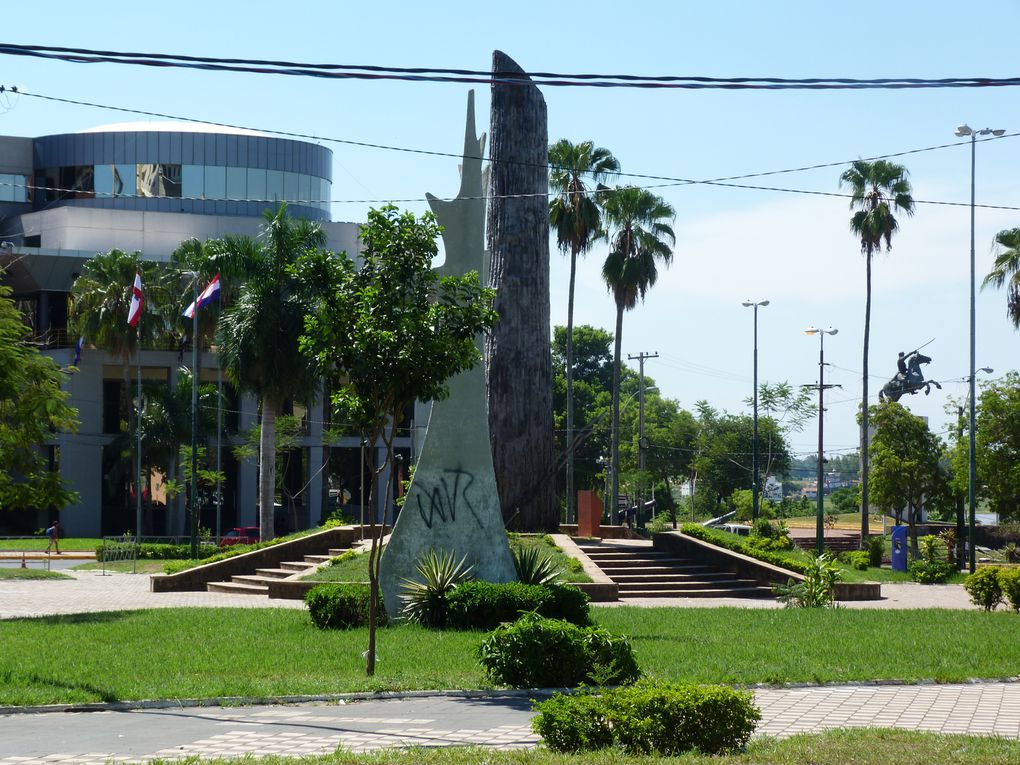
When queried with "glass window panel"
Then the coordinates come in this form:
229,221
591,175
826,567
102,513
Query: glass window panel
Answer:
256,183
170,180
24,194
274,185
147,179
192,181
6,187
290,186
305,188
124,180
237,178
215,182
104,181
326,190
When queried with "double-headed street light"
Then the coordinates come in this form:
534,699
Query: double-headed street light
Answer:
962,131
819,490
754,434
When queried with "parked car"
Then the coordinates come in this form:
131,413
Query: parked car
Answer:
242,535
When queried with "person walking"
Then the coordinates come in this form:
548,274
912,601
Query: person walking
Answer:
53,537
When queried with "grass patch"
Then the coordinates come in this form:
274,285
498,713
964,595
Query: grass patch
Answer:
201,653
71,544
31,573
125,566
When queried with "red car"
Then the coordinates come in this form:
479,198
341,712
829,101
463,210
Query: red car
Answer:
242,535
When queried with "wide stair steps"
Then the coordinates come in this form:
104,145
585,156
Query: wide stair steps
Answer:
258,583
642,572
833,544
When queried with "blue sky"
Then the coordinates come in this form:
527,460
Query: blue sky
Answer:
732,244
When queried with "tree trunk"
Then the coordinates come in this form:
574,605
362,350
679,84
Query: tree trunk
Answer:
569,440
267,469
519,367
864,413
615,439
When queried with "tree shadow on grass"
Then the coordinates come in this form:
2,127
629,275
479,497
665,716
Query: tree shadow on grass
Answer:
92,617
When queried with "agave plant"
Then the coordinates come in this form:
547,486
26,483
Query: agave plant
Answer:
425,600
534,567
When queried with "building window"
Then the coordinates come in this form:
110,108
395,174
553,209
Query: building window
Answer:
157,179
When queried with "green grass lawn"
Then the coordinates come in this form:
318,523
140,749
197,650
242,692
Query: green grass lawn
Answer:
31,573
126,566
861,747
190,653
71,544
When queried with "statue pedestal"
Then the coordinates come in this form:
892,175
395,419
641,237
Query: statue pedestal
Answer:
589,514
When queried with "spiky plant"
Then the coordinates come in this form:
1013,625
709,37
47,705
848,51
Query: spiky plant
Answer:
534,567
424,598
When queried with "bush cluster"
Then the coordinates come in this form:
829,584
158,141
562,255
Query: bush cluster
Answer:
876,551
478,605
741,546
650,719
535,652
858,559
341,606
991,585
933,567
149,551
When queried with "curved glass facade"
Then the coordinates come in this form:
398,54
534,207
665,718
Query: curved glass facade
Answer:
163,171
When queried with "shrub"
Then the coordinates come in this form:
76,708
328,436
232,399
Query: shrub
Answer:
817,589
1009,581
859,560
108,551
932,568
876,551
425,601
534,567
341,606
741,546
535,652
650,718
480,605
984,588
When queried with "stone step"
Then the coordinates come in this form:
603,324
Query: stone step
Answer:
621,558
676,578
646,569
317,559
294,566
254,579
237,588
714,584
727,592
338,551
274,573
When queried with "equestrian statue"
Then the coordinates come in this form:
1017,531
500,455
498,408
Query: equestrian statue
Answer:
909,378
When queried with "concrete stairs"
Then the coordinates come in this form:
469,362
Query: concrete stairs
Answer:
834,544
642,572
258,582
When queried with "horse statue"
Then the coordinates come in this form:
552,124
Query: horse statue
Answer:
909,378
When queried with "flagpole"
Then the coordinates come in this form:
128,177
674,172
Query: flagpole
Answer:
138,437
219,434
194,424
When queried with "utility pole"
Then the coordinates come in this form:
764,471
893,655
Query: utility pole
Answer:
822,387
641,414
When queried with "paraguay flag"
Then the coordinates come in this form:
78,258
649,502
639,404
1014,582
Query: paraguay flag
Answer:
137,301
209,294
77,350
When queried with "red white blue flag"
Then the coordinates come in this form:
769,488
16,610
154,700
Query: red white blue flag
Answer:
137,301
209,294
77,350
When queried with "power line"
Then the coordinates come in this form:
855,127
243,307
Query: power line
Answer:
429,74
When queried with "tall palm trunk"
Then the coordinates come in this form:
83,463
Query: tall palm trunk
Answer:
617,347
571,494
267,468
864,404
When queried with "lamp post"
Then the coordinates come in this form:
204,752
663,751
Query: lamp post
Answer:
963,131
754,434
819,520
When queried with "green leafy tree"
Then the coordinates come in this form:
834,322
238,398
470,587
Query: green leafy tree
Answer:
996,447
640,238
389,333
789,409
907,471
575,216
258,334
32,408
878,190
1006,271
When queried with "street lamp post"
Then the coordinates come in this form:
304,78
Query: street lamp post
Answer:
820,494
962,131
754,434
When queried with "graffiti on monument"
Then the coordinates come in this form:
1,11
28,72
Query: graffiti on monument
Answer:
443,499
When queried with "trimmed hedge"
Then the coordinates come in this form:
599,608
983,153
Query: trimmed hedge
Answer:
341,606
478,605
150,551
650,719
535,652
738,545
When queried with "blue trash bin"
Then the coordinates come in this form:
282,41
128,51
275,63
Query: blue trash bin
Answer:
899,548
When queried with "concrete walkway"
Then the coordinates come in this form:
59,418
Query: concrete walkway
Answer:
93,738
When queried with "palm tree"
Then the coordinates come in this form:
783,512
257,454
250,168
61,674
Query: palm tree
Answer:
576,217
639,237
258,334
1006,271
877,190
